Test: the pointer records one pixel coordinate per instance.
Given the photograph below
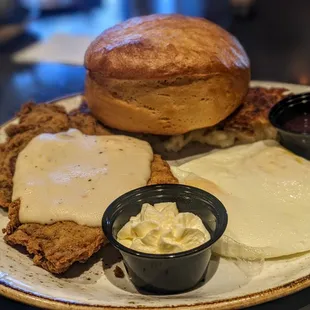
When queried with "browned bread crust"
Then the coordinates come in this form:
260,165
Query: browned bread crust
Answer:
161,46
248,124
165,74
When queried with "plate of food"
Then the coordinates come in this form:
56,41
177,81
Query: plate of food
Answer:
164,186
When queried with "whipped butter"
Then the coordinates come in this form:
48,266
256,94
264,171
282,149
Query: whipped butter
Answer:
70,176
161,229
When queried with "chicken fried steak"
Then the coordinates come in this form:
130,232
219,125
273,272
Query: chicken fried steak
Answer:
54,247
34,120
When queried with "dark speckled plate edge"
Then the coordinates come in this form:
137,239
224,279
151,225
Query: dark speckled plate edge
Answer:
230,303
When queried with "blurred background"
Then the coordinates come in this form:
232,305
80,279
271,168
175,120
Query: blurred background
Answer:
42,41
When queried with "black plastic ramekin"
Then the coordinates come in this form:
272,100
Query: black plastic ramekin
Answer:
166,273
284,111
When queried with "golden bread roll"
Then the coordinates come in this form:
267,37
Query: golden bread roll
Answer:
165,74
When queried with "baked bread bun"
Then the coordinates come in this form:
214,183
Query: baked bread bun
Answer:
165,75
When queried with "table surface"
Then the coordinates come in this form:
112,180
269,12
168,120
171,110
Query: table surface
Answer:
278,51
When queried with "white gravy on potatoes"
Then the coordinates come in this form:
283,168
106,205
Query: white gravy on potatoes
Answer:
70,176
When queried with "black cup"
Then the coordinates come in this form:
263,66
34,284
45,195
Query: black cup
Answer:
166,273
284,111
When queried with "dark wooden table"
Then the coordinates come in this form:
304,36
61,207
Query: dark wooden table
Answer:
277,39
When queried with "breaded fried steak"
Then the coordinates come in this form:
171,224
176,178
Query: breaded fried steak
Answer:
55,247
249,123
34,120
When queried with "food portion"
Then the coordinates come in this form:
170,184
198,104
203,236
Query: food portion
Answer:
178,89
59,170
72,172
161,229
248,124
298,124
292,114
139,83
56,246
266,191
34,120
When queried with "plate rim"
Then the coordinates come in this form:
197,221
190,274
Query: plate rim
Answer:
286,289
229,303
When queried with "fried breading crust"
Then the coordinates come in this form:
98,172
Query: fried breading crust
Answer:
54,247
161,173
34,120
250,122
57,246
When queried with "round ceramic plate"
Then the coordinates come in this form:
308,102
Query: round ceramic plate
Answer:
93,285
